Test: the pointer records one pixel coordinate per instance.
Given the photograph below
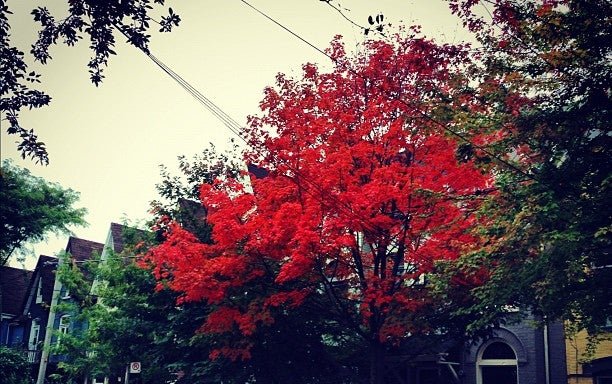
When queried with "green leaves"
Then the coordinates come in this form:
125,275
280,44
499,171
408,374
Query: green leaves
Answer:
31,208
544,79
14,366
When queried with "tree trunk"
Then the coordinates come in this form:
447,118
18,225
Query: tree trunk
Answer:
377,361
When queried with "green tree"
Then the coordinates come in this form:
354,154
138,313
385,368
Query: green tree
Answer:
544,76
91,18
129,316
32,208
13,367
128,320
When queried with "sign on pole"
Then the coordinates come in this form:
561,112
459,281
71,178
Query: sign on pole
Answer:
135,367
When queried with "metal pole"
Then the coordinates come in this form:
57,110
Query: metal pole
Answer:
42,368
546,352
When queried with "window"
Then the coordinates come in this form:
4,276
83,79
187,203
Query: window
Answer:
497,364
34,335
39,297
99,380
64,325
65,293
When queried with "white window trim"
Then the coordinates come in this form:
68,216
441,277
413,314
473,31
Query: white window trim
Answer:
39,297
34,330
495,362
63,327
95,381
66,294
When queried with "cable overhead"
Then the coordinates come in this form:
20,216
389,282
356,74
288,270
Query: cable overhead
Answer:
287,29
423,114
236,128
227,120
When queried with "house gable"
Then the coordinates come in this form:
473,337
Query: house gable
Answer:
14,284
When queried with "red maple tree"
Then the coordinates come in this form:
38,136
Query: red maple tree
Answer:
364,193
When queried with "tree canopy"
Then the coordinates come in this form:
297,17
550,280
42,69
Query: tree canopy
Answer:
416,189
544,75
32,208
363,196
376,170
129,319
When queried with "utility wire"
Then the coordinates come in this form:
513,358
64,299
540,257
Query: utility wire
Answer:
419,111
230,123
236,128
287,29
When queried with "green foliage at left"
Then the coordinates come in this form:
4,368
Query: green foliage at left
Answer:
124,318
13,367
32,208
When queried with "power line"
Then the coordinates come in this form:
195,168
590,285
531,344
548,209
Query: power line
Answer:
236,128
287,29
418,110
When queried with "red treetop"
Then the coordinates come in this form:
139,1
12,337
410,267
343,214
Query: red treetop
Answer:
364,195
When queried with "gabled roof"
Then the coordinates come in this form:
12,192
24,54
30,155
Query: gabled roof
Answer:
258,172
117,234
82,249
45,271
191,214
14,284
119,238
192,207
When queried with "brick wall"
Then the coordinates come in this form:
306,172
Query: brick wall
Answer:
575,347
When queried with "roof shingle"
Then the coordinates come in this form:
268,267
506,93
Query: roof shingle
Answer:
82,249
14,285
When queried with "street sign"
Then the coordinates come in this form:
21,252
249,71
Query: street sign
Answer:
135,367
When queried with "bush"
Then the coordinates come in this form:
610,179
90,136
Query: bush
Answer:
14,367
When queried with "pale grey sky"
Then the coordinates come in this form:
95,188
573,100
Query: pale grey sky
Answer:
107,142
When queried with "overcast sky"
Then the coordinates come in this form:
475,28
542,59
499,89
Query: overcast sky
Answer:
108,142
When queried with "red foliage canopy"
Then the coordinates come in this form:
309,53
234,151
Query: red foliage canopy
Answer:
364,195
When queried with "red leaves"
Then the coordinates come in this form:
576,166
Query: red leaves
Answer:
362,192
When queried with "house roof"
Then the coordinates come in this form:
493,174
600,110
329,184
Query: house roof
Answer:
14,284
258,172
121,238
117,234
45,270
82,249
192,214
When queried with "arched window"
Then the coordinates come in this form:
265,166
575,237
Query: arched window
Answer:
497,364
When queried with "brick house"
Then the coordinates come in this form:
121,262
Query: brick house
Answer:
597,370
